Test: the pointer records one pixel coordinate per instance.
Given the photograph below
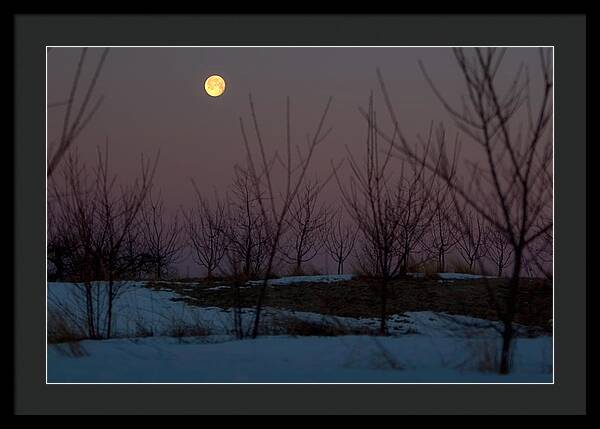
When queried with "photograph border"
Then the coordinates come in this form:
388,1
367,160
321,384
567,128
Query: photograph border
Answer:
301,47
566,33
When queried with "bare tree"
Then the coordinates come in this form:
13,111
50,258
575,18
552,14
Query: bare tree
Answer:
510,190
306,225
118,213
442,234
102,218
340,240
471,239
375,207
274,205
161,238
247,242
75,118
61,245
416,187
539,252
206,232
499,250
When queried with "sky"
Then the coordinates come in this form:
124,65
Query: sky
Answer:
154,100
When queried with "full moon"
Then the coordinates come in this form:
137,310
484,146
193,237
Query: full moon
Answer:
214,85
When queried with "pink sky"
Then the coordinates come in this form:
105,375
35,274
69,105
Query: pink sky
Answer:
155,100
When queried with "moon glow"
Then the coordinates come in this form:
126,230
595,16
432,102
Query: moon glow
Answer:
214,85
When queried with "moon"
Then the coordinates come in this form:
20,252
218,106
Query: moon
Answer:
214,85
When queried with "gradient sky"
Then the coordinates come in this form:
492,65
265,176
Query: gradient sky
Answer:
155,100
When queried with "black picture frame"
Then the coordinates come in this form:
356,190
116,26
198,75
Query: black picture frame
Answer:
568,35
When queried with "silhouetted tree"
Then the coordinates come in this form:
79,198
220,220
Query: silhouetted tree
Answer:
340,240
375,207
471,241
499,250
206,230
275,206
306,226
75,118
511,190
161,238
245,229
101,218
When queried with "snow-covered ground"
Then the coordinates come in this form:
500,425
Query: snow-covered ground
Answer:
139,309
433,347
348,359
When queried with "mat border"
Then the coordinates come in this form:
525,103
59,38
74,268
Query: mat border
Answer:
33,33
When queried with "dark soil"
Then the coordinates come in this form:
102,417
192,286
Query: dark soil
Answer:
360,297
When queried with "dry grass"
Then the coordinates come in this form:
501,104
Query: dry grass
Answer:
62,330
179,329
326,327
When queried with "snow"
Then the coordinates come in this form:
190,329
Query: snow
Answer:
348,359
141,309
424,346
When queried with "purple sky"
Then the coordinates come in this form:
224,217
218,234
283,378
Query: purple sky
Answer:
155,99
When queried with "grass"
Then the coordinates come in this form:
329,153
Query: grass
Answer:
62,330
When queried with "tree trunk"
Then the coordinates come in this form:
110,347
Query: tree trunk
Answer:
383,324
511,309
110,308
507,337
90,310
